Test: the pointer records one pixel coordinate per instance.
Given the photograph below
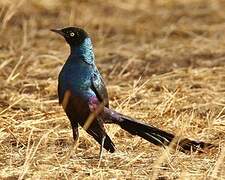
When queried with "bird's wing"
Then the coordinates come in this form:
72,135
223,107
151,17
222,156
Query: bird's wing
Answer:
98,86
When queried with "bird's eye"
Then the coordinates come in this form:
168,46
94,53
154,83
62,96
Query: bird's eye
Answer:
72,34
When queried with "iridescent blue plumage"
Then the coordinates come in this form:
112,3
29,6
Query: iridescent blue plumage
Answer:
84,98
77,71
78,76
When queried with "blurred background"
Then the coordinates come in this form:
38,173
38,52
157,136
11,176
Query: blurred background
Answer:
162,60
168,34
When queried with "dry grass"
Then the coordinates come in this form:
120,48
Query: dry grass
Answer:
163,61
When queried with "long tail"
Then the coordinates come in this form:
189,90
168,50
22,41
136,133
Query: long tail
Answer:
150,133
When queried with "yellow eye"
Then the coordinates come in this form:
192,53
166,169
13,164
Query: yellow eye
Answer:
72,34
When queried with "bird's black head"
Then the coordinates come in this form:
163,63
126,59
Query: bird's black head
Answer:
73,35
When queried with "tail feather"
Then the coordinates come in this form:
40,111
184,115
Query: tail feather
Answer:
150,133
159,137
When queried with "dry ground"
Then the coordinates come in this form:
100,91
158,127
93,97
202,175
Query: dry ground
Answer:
163,61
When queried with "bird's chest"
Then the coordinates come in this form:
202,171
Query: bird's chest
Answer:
76,78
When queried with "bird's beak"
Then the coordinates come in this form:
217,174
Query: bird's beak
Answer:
58,31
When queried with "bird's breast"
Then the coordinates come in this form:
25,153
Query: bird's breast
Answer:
75,77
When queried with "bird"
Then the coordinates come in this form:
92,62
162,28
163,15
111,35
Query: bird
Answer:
84,98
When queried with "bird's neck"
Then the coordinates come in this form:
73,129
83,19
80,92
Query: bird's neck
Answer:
84,51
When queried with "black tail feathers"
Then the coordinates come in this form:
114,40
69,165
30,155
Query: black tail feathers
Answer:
159,137
152,134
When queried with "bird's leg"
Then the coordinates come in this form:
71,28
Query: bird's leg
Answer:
75,137
75,134
101,150
75,131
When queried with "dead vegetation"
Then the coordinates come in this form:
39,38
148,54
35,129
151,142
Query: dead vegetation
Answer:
163,61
